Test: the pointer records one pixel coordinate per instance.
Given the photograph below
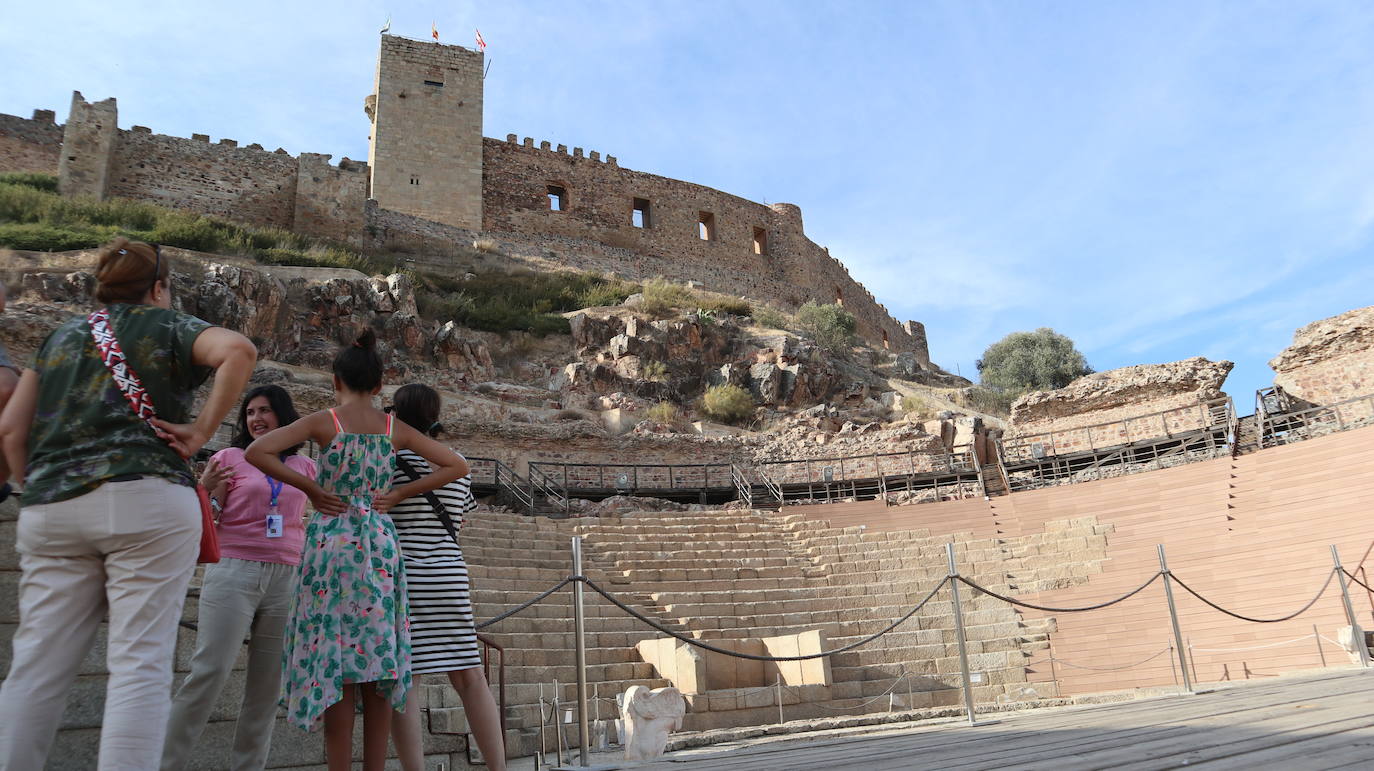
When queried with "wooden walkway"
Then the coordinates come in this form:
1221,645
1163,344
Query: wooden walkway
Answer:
1322,721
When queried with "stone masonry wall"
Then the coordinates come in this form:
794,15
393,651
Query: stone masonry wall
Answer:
245,184
30,145
1123,405
221,179
599,198
1330,360
426,140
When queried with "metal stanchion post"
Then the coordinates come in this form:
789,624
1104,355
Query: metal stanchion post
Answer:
580,642
1318,637
1173,618
778,693
1355,632
953,579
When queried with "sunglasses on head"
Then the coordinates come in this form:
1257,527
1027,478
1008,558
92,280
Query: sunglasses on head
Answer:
157,266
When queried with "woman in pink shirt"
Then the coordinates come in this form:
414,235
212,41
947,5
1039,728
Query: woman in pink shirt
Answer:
261,530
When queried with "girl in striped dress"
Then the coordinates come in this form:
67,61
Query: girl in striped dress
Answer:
442,636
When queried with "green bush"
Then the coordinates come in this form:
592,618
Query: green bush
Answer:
656,371
39,237
727,403
768,316
664,412
1021,362
830,326
46,182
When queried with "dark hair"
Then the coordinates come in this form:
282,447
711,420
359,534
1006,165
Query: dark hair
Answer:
280,402
358,366
418,406
128,270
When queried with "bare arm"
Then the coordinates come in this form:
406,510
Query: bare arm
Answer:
9,379
232,356
265,454
16,422
447,465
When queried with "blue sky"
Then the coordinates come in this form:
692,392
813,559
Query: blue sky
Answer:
1156,180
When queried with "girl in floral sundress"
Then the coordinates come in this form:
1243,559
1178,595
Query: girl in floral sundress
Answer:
348,630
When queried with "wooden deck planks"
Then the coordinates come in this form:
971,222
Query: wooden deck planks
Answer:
1294,723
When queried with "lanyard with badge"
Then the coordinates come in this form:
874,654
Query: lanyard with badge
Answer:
274,520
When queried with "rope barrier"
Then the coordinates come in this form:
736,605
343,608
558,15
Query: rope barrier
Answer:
1006,599
714,649
873,700
1299,612
1099,669
526,604
1356,580
1251,647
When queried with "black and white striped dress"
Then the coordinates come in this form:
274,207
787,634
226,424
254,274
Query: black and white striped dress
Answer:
442,635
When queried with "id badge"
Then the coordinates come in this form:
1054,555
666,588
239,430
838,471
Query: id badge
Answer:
274,524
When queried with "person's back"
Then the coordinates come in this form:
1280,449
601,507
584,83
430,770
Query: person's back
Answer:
109,519
89,434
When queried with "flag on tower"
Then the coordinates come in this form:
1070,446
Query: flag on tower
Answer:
481,44
386,27
433,30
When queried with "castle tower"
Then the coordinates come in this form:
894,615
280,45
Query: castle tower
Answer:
426,145
88,141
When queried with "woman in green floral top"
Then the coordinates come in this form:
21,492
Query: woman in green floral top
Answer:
349,622
109,519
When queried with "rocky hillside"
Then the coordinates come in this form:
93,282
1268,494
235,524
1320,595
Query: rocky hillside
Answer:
624,379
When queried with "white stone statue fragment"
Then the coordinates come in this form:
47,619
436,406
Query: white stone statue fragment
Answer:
649,716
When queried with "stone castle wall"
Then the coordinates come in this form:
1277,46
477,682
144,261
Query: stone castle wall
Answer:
434,170
30,145
93,157
754,250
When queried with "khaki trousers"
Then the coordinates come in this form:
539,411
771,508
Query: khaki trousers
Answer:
237,598
126,547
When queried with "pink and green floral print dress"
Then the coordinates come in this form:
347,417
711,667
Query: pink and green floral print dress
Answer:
349,622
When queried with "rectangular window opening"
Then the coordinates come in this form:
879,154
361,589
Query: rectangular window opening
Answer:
760,241
706,226
414,180
435,83
558,198
639,217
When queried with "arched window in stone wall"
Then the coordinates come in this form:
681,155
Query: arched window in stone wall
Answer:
558,197
839,297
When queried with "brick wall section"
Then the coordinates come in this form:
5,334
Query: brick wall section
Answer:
30,145
426,143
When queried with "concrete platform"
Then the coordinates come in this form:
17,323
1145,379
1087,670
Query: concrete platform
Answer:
1322,721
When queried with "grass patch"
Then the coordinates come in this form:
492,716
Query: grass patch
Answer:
656,371
663,298
768,316
917,407
516,301
34,217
